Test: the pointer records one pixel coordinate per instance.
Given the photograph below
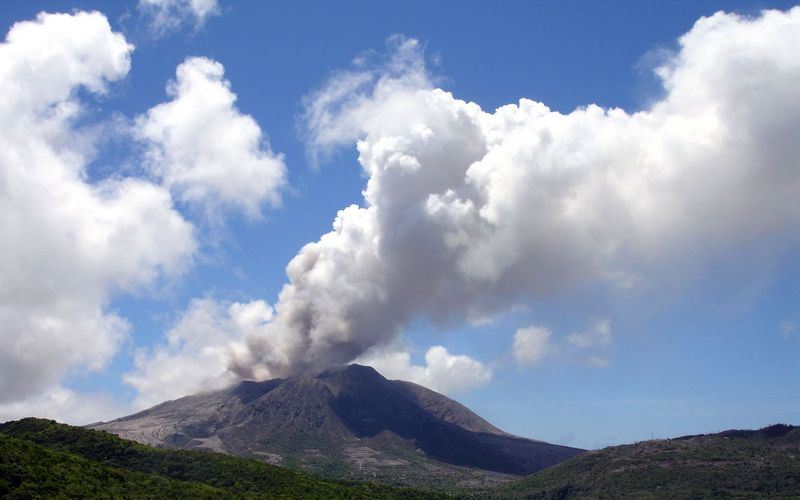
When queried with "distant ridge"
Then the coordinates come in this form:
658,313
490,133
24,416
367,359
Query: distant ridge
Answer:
730,464
349,423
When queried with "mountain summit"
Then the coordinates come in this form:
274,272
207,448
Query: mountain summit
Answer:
349,422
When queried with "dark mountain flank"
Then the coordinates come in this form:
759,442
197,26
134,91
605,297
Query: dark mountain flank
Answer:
730,464
346,423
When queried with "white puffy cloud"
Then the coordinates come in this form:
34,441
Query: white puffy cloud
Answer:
68,244
597,336
599,361
532,344
205,150
443,372
596,340
787,328
338,112
195,355
169,15
466,212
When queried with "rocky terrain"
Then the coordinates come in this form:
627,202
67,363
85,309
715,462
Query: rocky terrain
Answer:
349,423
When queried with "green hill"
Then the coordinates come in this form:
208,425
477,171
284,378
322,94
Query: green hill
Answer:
737,463
42,458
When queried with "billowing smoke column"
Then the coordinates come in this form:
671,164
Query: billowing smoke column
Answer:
466,211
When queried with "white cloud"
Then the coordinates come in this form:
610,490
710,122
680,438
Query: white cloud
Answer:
337,112
599,361
67,244
466,212
787,328
443,372
169,15
597,336
205,150
597,340
65,405
195,356
532,344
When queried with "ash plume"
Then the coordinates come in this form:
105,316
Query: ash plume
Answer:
466,211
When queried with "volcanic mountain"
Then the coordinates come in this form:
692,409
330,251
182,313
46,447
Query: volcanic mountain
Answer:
346,423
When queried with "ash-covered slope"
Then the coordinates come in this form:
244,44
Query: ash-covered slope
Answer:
349,423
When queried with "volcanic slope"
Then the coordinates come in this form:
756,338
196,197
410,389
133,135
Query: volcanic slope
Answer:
348,423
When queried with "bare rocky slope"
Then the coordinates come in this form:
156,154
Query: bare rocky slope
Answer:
346,423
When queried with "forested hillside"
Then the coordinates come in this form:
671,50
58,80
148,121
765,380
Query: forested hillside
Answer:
44,458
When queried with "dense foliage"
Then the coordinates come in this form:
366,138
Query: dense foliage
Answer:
29,470
729,464
44,458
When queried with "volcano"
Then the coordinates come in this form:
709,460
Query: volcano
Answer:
349,423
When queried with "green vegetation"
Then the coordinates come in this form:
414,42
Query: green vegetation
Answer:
42,458
29,470
730,464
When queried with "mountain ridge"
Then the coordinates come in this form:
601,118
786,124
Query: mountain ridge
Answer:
729,464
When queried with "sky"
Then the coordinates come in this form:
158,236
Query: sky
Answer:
579,219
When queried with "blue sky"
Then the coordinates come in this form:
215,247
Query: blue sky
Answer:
659,311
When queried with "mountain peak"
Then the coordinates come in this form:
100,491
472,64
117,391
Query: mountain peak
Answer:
351,416
353,372
249,390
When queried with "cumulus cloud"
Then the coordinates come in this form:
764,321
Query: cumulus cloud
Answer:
466,212
207,152
443,372
532,344
195,355
599,361
336,113
598,336
68,244
169,15
787,328
596,340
